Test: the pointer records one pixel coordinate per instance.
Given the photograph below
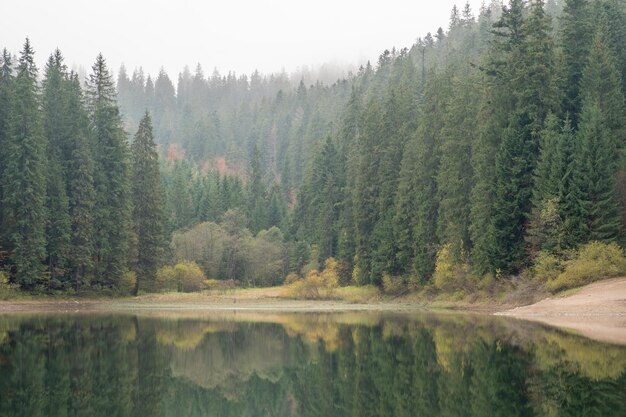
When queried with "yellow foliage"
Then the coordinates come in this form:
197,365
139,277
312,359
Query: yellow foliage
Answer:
317,285
595,261
182,277
449,274
547,267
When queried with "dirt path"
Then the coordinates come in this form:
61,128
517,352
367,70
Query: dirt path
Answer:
597,311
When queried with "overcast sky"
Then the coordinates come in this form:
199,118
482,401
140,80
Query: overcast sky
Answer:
238,35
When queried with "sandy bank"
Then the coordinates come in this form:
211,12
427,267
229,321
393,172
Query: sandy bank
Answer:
597,311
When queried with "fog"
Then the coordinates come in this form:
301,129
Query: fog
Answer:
240,36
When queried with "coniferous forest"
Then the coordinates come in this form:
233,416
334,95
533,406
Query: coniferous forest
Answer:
485,149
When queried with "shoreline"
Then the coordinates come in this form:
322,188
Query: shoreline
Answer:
596,311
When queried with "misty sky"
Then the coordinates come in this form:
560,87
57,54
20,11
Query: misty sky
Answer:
239,35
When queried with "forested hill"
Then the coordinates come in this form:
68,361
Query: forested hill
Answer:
485,149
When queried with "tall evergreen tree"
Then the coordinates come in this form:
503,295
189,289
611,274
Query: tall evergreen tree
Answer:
576,34
112,215
598,210
367,190
147,205
455,176
601,84
24,176
80,187
257,207
6,81
56,123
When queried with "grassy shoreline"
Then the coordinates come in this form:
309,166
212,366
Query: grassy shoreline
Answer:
344,298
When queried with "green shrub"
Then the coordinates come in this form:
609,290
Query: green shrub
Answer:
595,261
7,290
182,277
547,267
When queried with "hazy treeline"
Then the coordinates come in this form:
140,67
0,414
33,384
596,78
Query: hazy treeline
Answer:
477,151
483,146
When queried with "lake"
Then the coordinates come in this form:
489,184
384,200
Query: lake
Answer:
266,364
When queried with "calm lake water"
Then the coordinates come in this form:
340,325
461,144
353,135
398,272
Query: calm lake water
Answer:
348,364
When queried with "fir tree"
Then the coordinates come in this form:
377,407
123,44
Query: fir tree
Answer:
147,205
367,190
6,81
112,215
512,194
576,34
80,188
56,121
598,211
24,176
601,84
454,177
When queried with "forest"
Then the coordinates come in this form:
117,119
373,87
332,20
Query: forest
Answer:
488,150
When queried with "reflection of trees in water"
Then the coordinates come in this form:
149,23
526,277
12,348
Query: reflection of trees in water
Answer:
305,365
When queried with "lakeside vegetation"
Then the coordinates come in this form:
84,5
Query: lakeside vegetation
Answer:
489,156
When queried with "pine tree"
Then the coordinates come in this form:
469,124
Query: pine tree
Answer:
24,176
112,215
147,195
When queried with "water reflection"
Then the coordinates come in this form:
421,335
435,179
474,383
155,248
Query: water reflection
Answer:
349,364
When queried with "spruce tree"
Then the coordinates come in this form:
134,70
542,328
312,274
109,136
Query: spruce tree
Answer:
6,81
56,123
147,205
601,84
512,196
576,34
80,188
598,210
257,207
351,124
25,176
367,190
455,175
552,187
112,215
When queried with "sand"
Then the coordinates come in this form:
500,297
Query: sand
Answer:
597,311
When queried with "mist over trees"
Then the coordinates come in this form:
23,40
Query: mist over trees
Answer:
484,146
